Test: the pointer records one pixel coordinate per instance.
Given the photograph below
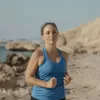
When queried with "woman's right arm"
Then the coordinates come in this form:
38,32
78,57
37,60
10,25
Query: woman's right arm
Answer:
31,70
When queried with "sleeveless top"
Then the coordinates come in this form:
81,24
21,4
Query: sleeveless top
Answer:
47,70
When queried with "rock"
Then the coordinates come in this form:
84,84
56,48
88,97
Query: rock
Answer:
21,46
19,68
21,81
16,59
22,56
3,91
83,39
7,77
9,57
61,41
9,92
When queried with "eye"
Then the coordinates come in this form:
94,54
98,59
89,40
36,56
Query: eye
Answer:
48,32
54,32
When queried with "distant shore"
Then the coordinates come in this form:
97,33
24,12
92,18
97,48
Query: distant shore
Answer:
2,44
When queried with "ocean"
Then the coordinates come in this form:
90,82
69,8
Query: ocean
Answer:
4,52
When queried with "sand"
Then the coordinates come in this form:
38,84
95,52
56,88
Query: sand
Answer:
85,71
85,85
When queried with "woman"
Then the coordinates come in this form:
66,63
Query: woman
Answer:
47,68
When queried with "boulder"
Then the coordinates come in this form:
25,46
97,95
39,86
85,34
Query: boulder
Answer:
21,46
7,77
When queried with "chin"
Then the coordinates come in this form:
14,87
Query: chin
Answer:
52,42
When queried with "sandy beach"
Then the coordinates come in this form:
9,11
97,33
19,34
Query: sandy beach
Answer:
85,85
85,71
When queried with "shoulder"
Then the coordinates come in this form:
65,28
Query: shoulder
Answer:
65,54
38,52
38,55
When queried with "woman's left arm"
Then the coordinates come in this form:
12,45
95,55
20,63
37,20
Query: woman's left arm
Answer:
67,78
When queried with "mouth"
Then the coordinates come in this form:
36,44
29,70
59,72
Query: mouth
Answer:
52,38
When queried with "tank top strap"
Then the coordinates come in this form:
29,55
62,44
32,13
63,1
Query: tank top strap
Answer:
44,53
46,56
61,55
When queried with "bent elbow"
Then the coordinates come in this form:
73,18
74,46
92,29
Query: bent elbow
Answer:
27,80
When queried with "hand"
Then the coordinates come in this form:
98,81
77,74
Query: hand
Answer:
67,79
51,83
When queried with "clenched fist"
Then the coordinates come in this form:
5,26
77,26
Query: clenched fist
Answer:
51,83
67,79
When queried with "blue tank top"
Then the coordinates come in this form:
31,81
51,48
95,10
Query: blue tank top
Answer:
47,70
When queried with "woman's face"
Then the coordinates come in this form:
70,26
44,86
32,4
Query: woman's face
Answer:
50,34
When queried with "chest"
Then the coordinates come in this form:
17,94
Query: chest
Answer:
52,68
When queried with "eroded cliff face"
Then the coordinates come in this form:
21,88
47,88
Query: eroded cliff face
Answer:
85,38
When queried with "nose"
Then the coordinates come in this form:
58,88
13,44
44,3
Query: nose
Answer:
51,34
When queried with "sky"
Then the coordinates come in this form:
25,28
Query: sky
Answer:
22,19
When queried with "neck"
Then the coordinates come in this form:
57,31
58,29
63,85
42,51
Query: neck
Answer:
51,49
